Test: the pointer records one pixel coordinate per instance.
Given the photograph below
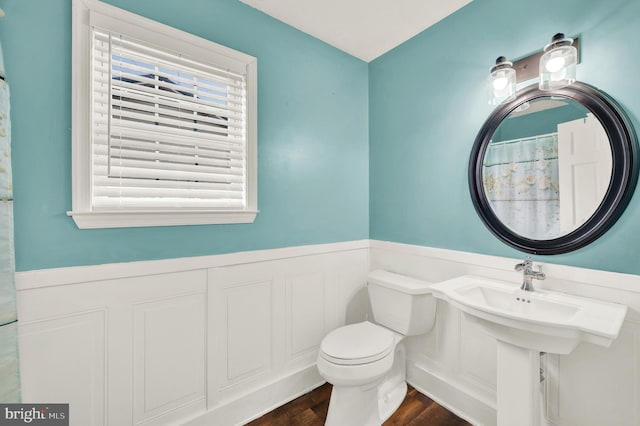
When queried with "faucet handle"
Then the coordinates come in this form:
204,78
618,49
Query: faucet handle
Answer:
522,265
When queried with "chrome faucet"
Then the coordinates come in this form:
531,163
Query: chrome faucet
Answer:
529,274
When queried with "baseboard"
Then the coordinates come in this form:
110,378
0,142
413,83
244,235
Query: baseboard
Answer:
251,406
452,397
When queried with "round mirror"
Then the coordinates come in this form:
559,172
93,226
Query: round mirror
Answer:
551,171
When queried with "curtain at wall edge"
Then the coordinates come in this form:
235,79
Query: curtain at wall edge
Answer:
10,391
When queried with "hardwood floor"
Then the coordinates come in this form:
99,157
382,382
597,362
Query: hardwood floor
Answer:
311,410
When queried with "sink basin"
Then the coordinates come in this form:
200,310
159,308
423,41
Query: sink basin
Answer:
518,303
540,320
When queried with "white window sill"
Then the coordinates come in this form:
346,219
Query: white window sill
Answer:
94,220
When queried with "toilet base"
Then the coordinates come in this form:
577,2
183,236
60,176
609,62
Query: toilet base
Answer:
371,404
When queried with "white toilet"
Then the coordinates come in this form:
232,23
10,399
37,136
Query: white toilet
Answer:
365,362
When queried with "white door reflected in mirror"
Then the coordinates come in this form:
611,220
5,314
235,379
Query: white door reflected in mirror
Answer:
584,169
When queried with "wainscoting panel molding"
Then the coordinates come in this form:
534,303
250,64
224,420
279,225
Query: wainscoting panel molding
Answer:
215,340
221,340
168,355
64,358
614,383
266,323
306,325
247,330
477,354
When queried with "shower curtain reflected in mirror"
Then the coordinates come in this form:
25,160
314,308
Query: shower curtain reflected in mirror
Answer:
521,182
9,363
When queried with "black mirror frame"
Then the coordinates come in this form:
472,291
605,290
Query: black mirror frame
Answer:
624,149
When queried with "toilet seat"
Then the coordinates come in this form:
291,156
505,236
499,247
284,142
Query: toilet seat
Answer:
357,344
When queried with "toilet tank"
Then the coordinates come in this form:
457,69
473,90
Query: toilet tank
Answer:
401,303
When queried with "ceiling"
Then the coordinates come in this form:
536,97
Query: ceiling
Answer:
363,28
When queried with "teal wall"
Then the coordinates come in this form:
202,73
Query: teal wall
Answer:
427,100
346,150
312,147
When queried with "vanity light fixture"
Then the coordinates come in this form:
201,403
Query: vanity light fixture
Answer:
558,63
555,67
501,84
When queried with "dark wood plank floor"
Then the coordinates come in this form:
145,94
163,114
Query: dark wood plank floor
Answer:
311,410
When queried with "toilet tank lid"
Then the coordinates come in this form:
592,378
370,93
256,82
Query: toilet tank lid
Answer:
399,282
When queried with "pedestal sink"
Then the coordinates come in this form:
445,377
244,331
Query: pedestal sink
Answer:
524,324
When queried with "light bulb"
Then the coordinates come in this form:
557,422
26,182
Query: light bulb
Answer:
555,64
500,83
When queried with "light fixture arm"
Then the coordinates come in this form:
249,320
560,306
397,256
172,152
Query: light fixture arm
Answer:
501,63
558,40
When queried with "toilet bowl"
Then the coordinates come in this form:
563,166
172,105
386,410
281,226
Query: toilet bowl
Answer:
357,359
365,362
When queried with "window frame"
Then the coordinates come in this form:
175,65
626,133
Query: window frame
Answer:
138,27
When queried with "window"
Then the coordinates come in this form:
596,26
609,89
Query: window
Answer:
164,124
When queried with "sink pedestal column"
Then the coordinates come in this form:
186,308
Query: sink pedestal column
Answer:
518,386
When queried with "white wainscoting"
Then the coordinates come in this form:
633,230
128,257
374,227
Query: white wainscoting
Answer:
220,340
456,363
215,340
79,340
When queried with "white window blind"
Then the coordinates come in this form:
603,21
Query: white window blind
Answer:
168,132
